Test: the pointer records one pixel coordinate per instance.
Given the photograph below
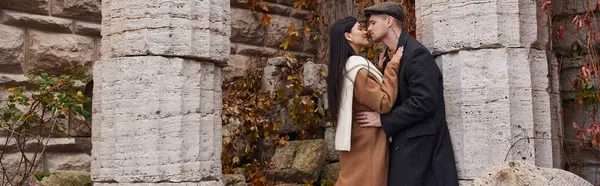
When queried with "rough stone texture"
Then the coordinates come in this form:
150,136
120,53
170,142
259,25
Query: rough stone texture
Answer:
234,180
245,28
86,28
236,67
271,73
569,7
446,26
78,9
67,178
68,161
156,119
298,160
494,98
12,80
278,31
332,154
173,28
11,49
79,128
312,78
521,173
31,6
572,34
201,183
58,53
38,21
331,172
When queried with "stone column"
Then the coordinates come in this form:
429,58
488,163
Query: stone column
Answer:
157,103
499,88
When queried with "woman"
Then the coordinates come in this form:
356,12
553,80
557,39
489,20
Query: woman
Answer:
366,164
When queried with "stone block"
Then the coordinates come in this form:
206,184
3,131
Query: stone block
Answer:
156,119
298,160
246,28
520,173
31,6
312,77
572,35
11,50
237,65
446,26
38,21
277,31
68,178
332,154
13,80
58,53
572,7
501,90
200,183
87,28
195,29
78,9
331,172
234,180
68,162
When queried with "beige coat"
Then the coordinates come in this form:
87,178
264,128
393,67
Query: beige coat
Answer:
367,163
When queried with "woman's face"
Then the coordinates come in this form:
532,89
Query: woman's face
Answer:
357,36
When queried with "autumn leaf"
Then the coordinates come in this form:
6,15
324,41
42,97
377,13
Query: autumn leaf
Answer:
284,44
266,19
265,7
306,30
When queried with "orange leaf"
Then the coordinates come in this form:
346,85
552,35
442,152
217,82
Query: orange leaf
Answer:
264,7
266,19
306,30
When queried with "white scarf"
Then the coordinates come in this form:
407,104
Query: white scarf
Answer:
344,122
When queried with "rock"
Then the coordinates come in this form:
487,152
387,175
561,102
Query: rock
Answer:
79,9
89,29
234,180
331,172
289,184
298,161
312,76
272,74
38,21
68,161
58,53
521,173
31,6
277,31
245,28
79,127
62,145
13,80
332,154
68,178
237,65
11,49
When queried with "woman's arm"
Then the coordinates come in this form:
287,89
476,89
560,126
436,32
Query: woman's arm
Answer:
379,97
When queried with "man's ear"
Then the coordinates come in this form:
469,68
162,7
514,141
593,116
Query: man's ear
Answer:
389,21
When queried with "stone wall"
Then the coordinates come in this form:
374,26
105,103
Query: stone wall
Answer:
57,37
589,158
250,39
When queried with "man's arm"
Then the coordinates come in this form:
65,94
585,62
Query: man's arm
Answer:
423,81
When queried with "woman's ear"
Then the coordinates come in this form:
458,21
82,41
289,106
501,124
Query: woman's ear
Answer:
347,36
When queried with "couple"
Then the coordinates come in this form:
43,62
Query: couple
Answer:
390,117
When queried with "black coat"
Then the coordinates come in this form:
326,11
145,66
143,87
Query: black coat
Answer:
420,151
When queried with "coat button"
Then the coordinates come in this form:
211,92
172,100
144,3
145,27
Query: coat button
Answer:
396,148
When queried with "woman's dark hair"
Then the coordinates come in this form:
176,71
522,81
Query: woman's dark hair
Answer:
339,51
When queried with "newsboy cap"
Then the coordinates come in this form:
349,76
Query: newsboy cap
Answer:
393,9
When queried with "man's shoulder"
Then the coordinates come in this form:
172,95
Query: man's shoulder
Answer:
413,45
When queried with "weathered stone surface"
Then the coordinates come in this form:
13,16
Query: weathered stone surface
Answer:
68,161
67,178
201,183
86,28
197,29
32,6
234,180
245,28
572,7
277,31
572,35
156,119
58,53
79,127
332,154
12,80
445,26
313,76
331,172
236,67
78,9
54,145
271,73
38,21
298,160
521,173
11,49
507,96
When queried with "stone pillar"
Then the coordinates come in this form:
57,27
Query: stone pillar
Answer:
499,89
157,102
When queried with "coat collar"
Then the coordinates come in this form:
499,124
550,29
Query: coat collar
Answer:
402,40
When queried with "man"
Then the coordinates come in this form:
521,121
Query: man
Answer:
420,148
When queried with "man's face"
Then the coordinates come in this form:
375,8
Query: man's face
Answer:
378,27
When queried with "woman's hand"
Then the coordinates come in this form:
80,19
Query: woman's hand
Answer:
398,55
381,60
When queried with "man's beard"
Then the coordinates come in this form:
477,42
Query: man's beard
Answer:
377,39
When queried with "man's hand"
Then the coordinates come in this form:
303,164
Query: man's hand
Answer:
368,119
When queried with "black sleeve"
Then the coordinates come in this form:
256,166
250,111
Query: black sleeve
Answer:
423,81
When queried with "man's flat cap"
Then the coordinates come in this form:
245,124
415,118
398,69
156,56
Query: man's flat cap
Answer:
393,9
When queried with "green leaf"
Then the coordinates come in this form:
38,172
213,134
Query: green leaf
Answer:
7,115
38,138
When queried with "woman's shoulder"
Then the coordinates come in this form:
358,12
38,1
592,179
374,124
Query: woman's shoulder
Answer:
356,60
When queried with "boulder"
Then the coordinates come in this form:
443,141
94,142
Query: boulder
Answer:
68,178
298,161
522,173
234,180
313,76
